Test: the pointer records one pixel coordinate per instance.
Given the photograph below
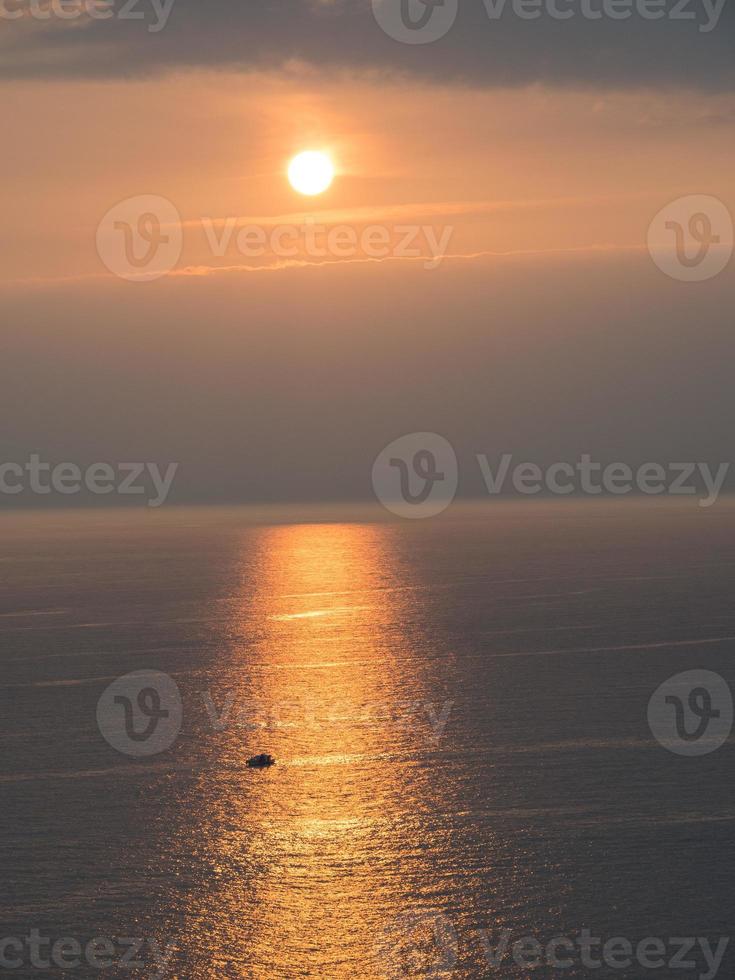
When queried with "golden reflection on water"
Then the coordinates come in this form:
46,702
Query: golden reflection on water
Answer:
309,857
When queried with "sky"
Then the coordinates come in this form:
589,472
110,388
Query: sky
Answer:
508,299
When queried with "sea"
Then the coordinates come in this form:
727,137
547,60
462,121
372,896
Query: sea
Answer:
470,780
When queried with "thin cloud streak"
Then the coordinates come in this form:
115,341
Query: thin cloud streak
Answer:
203,271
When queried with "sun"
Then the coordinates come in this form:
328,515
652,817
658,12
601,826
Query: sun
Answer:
311,172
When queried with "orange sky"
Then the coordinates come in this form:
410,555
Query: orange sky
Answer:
531,169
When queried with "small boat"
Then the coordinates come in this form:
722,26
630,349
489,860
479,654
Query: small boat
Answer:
261,761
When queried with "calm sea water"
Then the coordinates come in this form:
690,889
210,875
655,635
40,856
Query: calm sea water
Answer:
458,708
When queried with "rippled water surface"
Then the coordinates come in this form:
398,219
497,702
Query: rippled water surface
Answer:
458,712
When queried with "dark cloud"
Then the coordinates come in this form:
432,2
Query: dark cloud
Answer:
267,34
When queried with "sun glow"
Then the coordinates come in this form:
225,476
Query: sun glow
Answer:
311,172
